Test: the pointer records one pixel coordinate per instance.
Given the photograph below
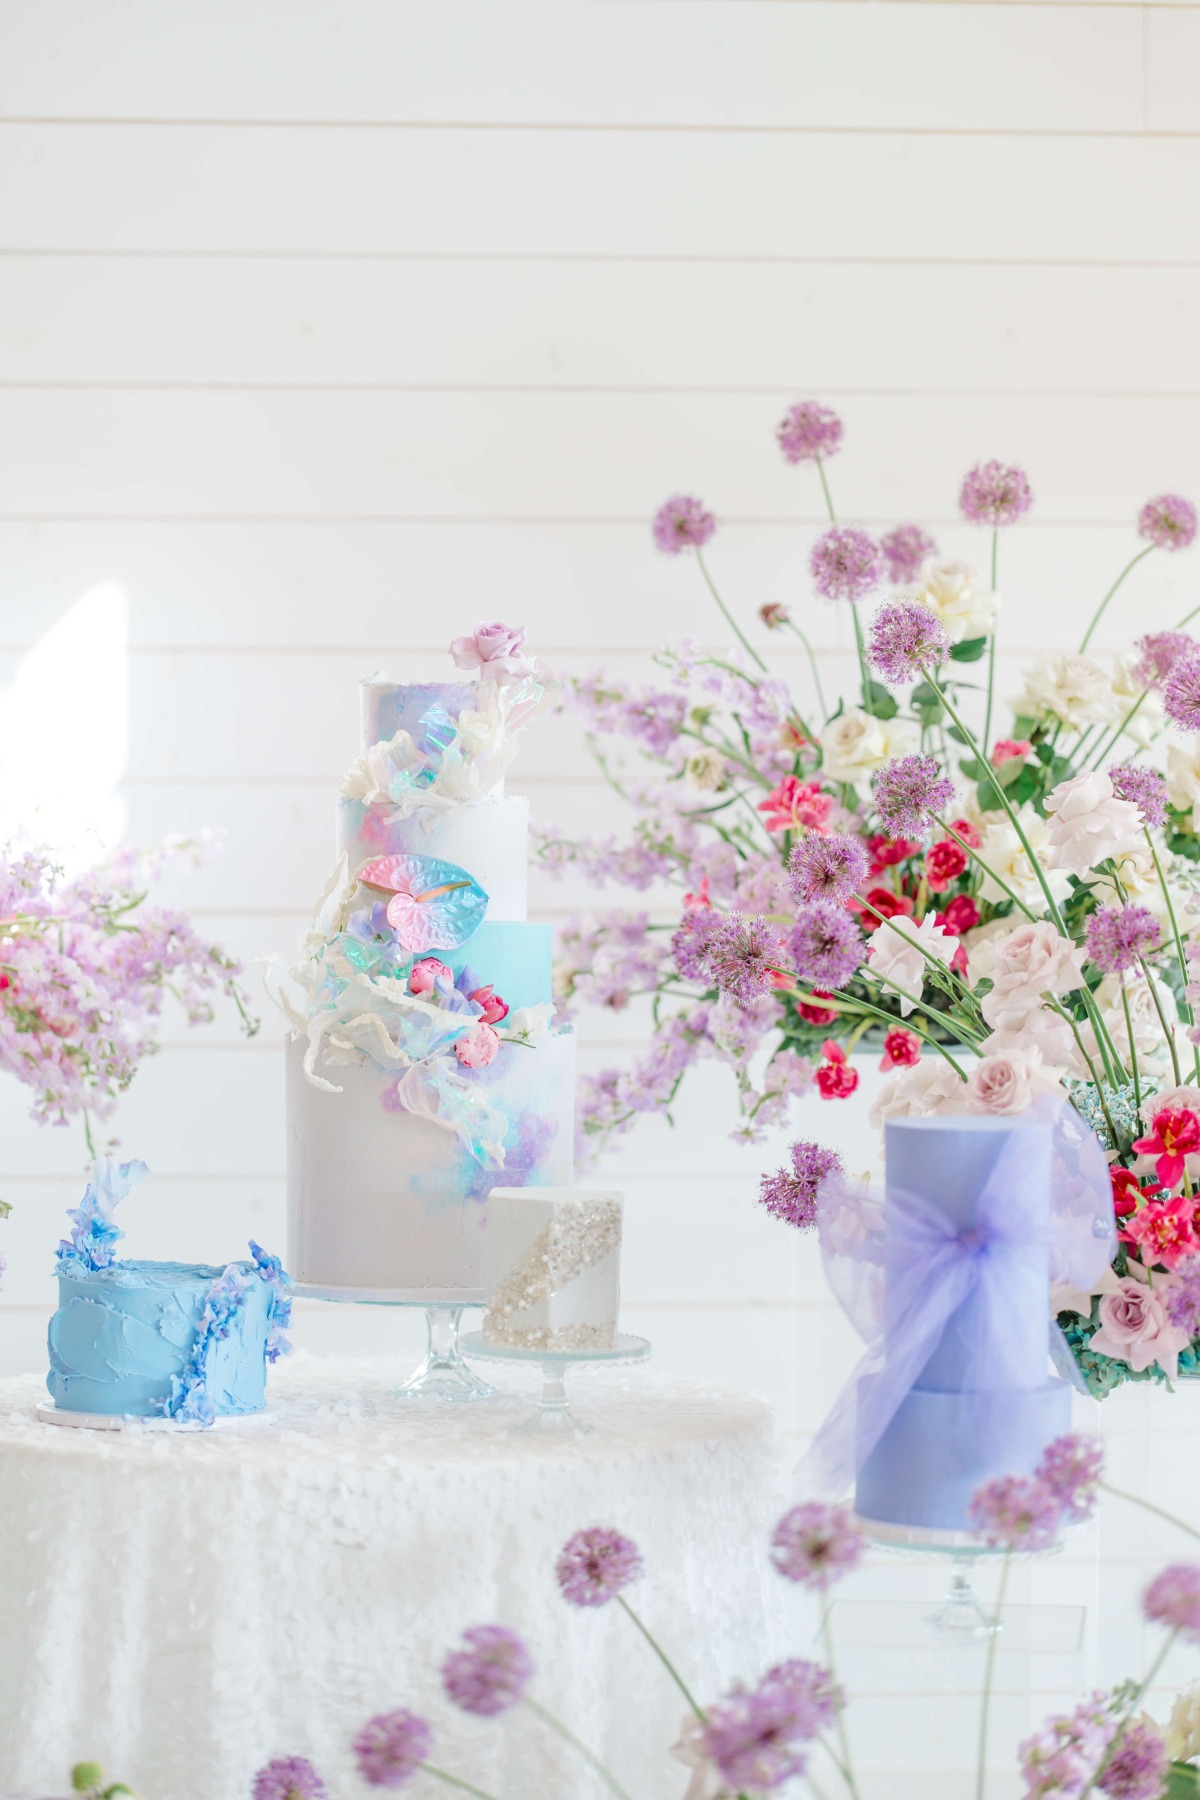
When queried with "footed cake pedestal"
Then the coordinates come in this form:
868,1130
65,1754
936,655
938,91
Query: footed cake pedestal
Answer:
552,1413
962,1612
442,1375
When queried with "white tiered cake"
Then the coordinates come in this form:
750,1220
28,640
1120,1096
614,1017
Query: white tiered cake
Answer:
424,1066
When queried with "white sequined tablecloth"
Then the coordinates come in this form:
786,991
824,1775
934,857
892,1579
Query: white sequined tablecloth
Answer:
182,1608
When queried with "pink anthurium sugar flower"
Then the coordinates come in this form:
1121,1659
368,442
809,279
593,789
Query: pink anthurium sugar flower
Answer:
1164,1231
1173,1136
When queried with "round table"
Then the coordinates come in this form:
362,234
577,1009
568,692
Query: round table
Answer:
181,1608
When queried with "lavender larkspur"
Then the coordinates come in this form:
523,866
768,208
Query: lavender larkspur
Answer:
815,1544
682,523
595,1564
289,1778
791,1193
1168,521
846,563
1119,937
829,867
909,791
391,1747
1071,1468
825,945
905,548
995,493
490,1674
1145,787
1017,1512
808,432
906,640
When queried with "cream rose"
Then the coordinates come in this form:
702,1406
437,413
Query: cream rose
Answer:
897,952
1004,852
928,1087
1183,1727
948,590
1139,882
1004,1082
1073,688
1031,961
1183,772
1128,691
854,745
1088,823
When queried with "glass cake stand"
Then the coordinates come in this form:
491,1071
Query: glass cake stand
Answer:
552,1413
442,1375
962,1613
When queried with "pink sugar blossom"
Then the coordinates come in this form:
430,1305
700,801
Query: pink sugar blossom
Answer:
478,1047
493,650
425,974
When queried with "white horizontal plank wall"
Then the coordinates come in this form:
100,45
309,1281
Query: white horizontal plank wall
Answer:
326,329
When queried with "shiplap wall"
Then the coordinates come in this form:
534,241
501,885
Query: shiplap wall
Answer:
328,328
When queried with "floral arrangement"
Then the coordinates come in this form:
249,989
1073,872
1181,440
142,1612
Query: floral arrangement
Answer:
1001,917
85,961
794,1722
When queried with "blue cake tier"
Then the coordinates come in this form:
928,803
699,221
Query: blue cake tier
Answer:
513,958
122,1334
940,1447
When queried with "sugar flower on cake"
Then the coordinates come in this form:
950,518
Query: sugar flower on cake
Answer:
898,951
494,651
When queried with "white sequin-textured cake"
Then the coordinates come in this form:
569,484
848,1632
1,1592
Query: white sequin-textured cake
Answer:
553,1269
425,1064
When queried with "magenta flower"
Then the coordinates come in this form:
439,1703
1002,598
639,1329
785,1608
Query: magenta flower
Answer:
908,792
743,957
491,1674
826,946
791,1194
1071,1468
906,639
1168,521
1016,1511
816,1544
1118,937
905,548
391,1747
1181,691
1173,1600
828,868
1159,651
846,563
682,523
1144,786
808,432
595,1565
995,493
289,1778
1137,1767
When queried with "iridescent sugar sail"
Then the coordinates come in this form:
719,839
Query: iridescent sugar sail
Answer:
425,1064
553,1269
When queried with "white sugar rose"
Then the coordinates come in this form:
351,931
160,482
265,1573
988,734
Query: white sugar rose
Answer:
1073,688
1004,1082
855,745
897,951
948,590
1183,772
929,1087
1031,961
367,779
1088,823
1003,852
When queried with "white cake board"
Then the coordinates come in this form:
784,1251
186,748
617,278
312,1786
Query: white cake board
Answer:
50,1414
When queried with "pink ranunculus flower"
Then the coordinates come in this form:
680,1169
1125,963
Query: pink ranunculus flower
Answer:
1031,961
494,1008
478,1047
1089,823
424,975
1004,1082
1134,1328
494,649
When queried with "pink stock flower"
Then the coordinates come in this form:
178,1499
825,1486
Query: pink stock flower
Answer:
1174,1134
425,974
796,805
478,1047
494,650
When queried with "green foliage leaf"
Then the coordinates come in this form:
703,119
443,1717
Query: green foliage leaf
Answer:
1183,1781
987,799
957,733
925,703
972,768
1182,843
878,702
970,650
5,1208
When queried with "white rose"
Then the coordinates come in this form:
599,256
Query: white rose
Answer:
1031,961
1183,772
1003,851
1148,1038
367,779
948,590
1183,1727
928,1087
1088,823
855,745
1004,1082
897,950
1073,688
1128,691
1049,1034
982,944
1139,883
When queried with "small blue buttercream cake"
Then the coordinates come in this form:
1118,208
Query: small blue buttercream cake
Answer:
147,1339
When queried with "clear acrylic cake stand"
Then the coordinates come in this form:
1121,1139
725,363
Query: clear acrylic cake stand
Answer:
962,1613
552,1414
442,1375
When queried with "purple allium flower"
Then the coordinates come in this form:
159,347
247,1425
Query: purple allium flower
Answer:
815,1544
1158,652
682,523
391,1747
846,563
743,957
815,1695
1183,1300
1181,691
289,1778
908,791
905,548
1071,1468
1168,521
828,868
754,1737
595,1565
1119,936
995,493
1137,1767
791,1194
1173,1599
826,945
699,928
491,1674
1146,787
905,640
808,431
1063,1757
1018,1511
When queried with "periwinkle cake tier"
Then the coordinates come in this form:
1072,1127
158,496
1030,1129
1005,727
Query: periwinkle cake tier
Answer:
970,1415
124,1335
553,1269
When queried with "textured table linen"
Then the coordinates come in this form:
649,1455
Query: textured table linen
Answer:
182,1608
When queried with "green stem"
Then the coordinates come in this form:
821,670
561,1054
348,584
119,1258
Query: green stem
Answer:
812,663
1100,610
989,1673
1096,1081
665,1660
1168,1033
1109,743
844,1001
1180,952
455,1781
606,1775
729,618
87,1132
826,492
1149,1506
991,676
840,1714
1133,1062
862,657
